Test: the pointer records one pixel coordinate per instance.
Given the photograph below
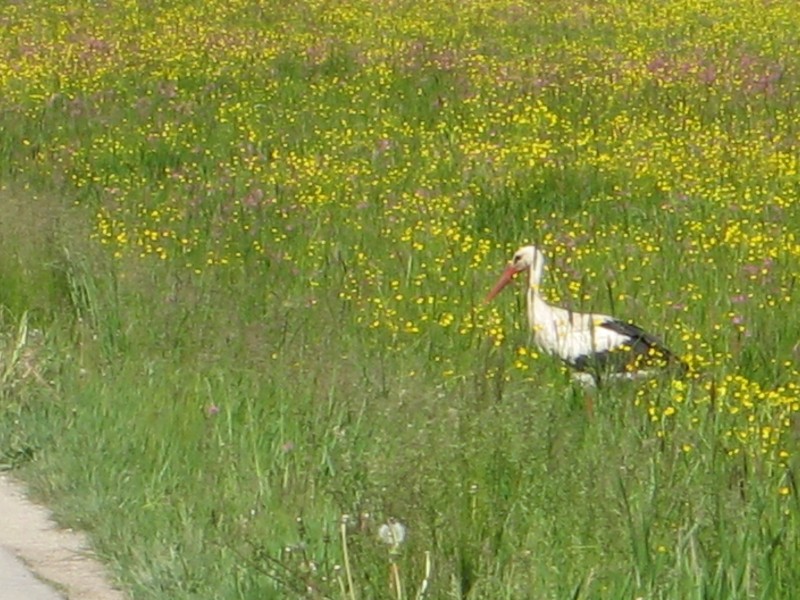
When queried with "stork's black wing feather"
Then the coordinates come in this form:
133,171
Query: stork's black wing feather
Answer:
636,334
641,350
641,342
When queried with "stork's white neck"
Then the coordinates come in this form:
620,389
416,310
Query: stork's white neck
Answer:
539,311
535,273
537,307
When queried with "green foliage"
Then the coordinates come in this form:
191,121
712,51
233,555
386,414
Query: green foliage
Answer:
243,253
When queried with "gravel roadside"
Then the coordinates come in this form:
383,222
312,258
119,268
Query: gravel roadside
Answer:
33,549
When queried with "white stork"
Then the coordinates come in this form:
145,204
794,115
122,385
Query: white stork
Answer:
597,346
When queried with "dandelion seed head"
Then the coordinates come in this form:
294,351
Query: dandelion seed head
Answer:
392,533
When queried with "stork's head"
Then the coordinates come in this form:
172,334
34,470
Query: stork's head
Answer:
527,259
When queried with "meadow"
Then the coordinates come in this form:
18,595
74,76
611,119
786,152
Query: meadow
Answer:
244,248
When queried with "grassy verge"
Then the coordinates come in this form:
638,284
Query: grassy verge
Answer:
243,260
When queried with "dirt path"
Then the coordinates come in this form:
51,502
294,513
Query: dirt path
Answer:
58,556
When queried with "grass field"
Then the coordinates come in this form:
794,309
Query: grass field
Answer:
243,252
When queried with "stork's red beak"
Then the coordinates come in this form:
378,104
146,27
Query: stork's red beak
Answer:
504,280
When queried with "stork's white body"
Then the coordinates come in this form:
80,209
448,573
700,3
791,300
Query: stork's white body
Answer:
567,334
594,344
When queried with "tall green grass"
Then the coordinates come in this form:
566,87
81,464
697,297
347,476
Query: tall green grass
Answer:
242,263
211,439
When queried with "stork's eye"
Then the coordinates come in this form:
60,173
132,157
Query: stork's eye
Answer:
517,258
